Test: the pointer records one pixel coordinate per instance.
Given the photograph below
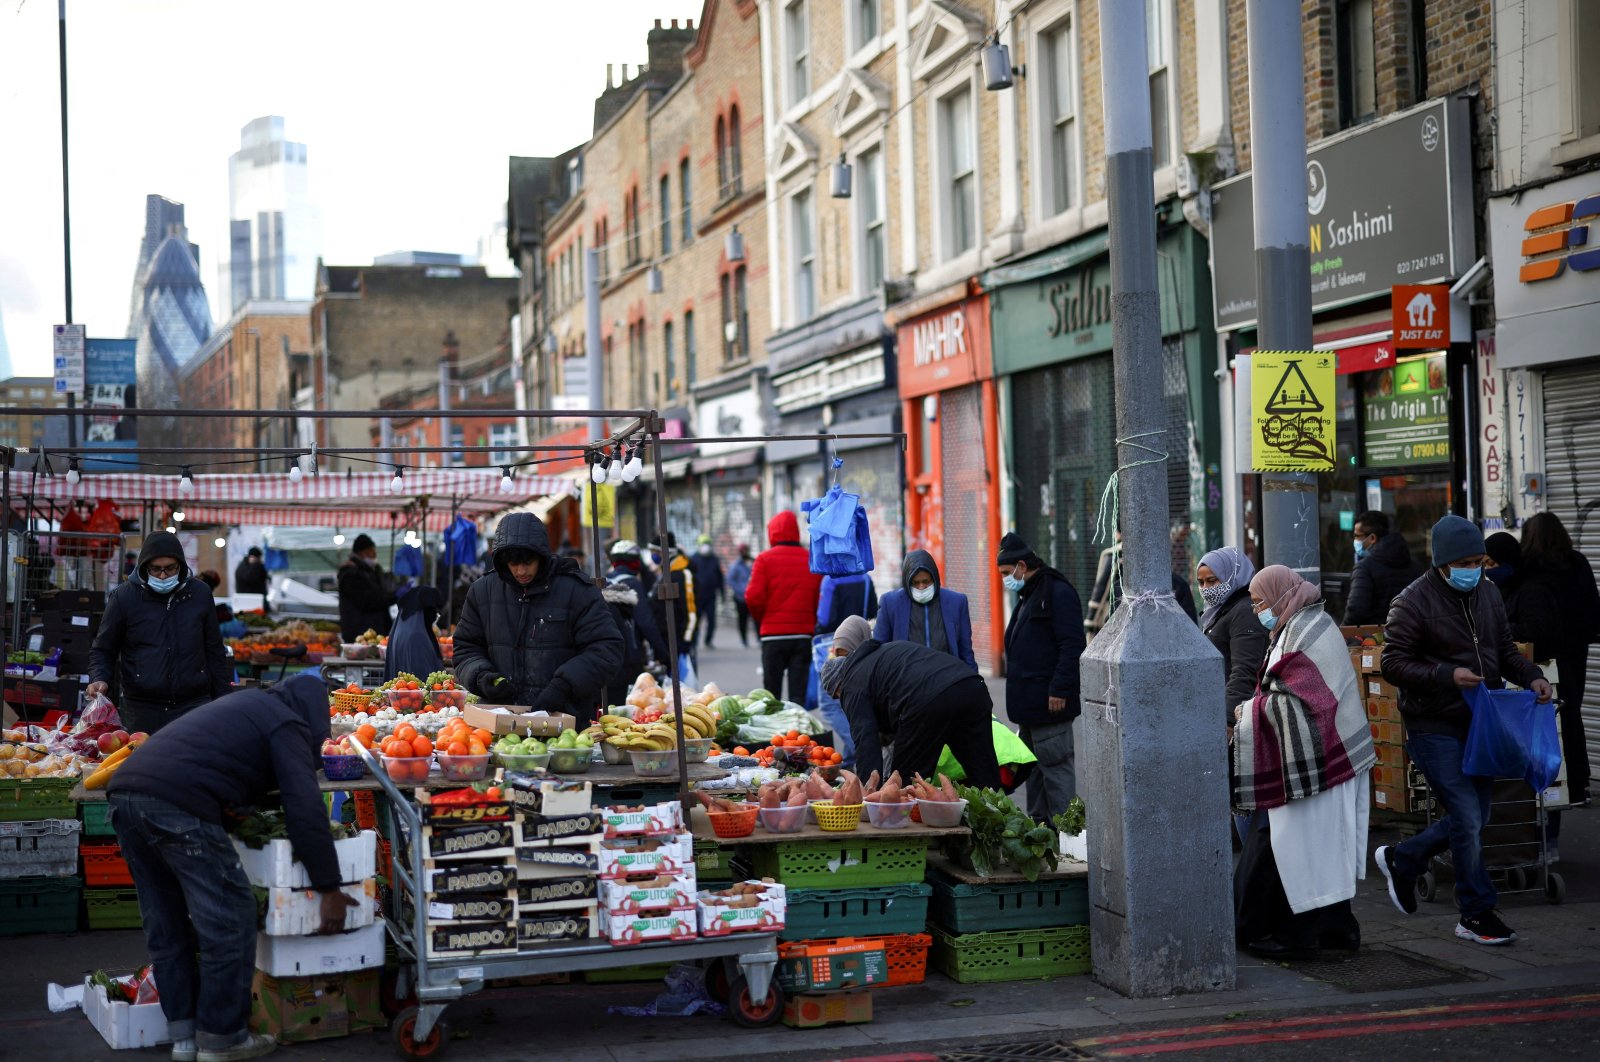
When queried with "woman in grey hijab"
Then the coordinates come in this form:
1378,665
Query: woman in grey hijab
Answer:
1224,576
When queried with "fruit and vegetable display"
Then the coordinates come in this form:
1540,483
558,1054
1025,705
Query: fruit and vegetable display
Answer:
108,767
407,754
371,637
1003,837
752,719
260,827
658,734
443,691
403,693
23,758
512,745
318,640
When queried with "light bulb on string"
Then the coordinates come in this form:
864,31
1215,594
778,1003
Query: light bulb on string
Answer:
177,516
614,471
171,530
398,483
220,542
186,481
295,474
505,480
338,538
635,466
74,477
600,469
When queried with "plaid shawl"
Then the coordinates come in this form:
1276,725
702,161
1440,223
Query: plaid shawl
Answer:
1305,730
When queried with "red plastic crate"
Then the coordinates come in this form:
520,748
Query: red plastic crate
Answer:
103,866
366,809
908,957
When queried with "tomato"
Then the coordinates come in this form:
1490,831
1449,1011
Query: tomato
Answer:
493,792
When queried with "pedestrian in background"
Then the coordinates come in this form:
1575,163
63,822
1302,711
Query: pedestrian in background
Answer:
738,581
636,620
1448,633
782,597
1044,640
925,611
250,576
1230,623
413,646
839,598
365,592
671,565
1384,567
708,585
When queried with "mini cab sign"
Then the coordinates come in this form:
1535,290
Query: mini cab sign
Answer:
1292,411
1421,316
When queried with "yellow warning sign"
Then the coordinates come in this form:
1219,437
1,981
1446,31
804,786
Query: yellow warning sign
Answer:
1291,411
605,501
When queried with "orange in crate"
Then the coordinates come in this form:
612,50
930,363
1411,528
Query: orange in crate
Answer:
103,865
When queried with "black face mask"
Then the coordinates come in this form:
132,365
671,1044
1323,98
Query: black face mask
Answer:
1501,574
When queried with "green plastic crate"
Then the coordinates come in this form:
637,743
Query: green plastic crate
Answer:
37,798
842,864
1013,955
39,905
111,908
887,909
628,974
711,861
96,819
1047,904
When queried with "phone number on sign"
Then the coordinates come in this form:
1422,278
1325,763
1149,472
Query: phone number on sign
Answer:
1413,265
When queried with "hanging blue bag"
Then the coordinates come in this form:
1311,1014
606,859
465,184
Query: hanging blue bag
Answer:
1511,736
1544,746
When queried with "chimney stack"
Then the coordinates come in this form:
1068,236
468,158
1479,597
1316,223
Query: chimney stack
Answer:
608,75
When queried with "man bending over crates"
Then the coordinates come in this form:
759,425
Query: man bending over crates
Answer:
1447,633
171,804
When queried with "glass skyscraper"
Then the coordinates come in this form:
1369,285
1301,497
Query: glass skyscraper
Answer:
273,230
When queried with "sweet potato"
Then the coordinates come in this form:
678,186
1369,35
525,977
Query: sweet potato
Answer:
819,789
890,793
796,799
873,782
850,792
949,788
767,795
705,798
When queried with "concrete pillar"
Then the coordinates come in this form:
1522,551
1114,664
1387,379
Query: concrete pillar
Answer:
1154,766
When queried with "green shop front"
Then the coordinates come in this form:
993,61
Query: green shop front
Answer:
1051,319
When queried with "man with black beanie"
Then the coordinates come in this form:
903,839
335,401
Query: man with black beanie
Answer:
1044,640
365,592
172,803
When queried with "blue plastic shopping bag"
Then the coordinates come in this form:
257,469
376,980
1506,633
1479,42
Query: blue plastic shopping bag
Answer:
1511,736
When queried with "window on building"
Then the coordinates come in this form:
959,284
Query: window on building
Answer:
741,313
730,337
1579,78
797,42
631,220
458,438
502,437
671,358
960,178
864,21
691,349
1158,24
722,157
735,158
665,198
1056,51
602,241
1357,66
805,256
684,198
874,235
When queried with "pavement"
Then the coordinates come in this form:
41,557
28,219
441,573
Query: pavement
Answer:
1413,989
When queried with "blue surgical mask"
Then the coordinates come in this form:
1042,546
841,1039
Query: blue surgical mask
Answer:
1465,579
655,558
1498,575
1268,620
1014,584
163,586
923,595
1361,548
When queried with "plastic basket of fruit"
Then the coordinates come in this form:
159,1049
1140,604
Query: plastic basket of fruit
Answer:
727,824
358,651
889,816
463,768
941,813
615,755
654,763
784,820
837,818
343,768
447,699
571,761
351,700
403,700
405,768
697,750
522,761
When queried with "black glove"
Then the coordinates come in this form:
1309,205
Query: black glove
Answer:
551,700
495,689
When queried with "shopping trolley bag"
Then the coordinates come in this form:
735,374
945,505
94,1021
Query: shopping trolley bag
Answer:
1511,736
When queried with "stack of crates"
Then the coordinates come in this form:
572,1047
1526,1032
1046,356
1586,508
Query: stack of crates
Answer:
109,900
1396,785
39,886
1008,930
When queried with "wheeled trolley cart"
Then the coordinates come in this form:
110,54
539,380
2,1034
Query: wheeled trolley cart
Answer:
740,965
1514,849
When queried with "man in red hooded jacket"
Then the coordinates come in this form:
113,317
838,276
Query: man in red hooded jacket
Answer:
782,596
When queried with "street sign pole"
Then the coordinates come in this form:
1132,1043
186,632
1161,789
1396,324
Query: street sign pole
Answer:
66,216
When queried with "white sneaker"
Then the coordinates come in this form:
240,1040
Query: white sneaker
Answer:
254,1045
184,1050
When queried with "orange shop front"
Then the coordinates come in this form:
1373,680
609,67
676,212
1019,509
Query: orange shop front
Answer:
946,381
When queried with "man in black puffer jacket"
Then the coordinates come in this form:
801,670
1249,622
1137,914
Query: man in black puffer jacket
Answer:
1384,567
536,632
159,641
172,803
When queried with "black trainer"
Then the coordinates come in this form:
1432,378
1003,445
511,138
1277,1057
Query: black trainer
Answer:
1402,887
1485,928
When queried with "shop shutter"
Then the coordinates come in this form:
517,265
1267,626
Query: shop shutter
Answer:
968,553
1572,491
735,517
874,473
683,511
1064,429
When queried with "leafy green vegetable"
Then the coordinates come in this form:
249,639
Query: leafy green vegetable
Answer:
1072,820
1003,836
733,717
256,829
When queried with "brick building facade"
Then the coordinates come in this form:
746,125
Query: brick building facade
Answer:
255,361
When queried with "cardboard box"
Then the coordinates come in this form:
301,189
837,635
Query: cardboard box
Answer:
517,719
473,814
298,912
656,820
544,861
1384,709
297,1009
481,842
536,828
361,949
468,939
638,856
499,907
1375,687
581,922
124,1025
72,601
546,893
1354,636
838,1008
628,897
471,879
622,928
276,867
1371,657
1392,756
718,918
828,965
1388,733
533,794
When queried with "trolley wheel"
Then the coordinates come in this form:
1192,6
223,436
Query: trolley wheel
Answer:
717,981
749,1013
392,1003
1427,887
408,1048
1516,879
1555,887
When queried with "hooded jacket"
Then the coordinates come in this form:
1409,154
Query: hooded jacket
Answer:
841,596
412,646
1044,640
250,577
223,759
365,595
1378,577
554,639
161,649
1433,629
636,620
675,567
947,611
783,589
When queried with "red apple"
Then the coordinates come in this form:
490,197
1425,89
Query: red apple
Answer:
137,738
331,748
111,742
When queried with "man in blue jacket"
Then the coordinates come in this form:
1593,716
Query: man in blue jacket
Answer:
1044,640
840,597
925,612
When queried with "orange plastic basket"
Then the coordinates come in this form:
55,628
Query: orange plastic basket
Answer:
908,957
103,865
345,701
734,823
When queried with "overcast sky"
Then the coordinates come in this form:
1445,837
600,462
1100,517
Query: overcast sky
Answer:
409,111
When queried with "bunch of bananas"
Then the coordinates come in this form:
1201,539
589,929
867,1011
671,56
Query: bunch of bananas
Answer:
662,734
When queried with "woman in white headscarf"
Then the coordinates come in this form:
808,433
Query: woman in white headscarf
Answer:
1224,576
